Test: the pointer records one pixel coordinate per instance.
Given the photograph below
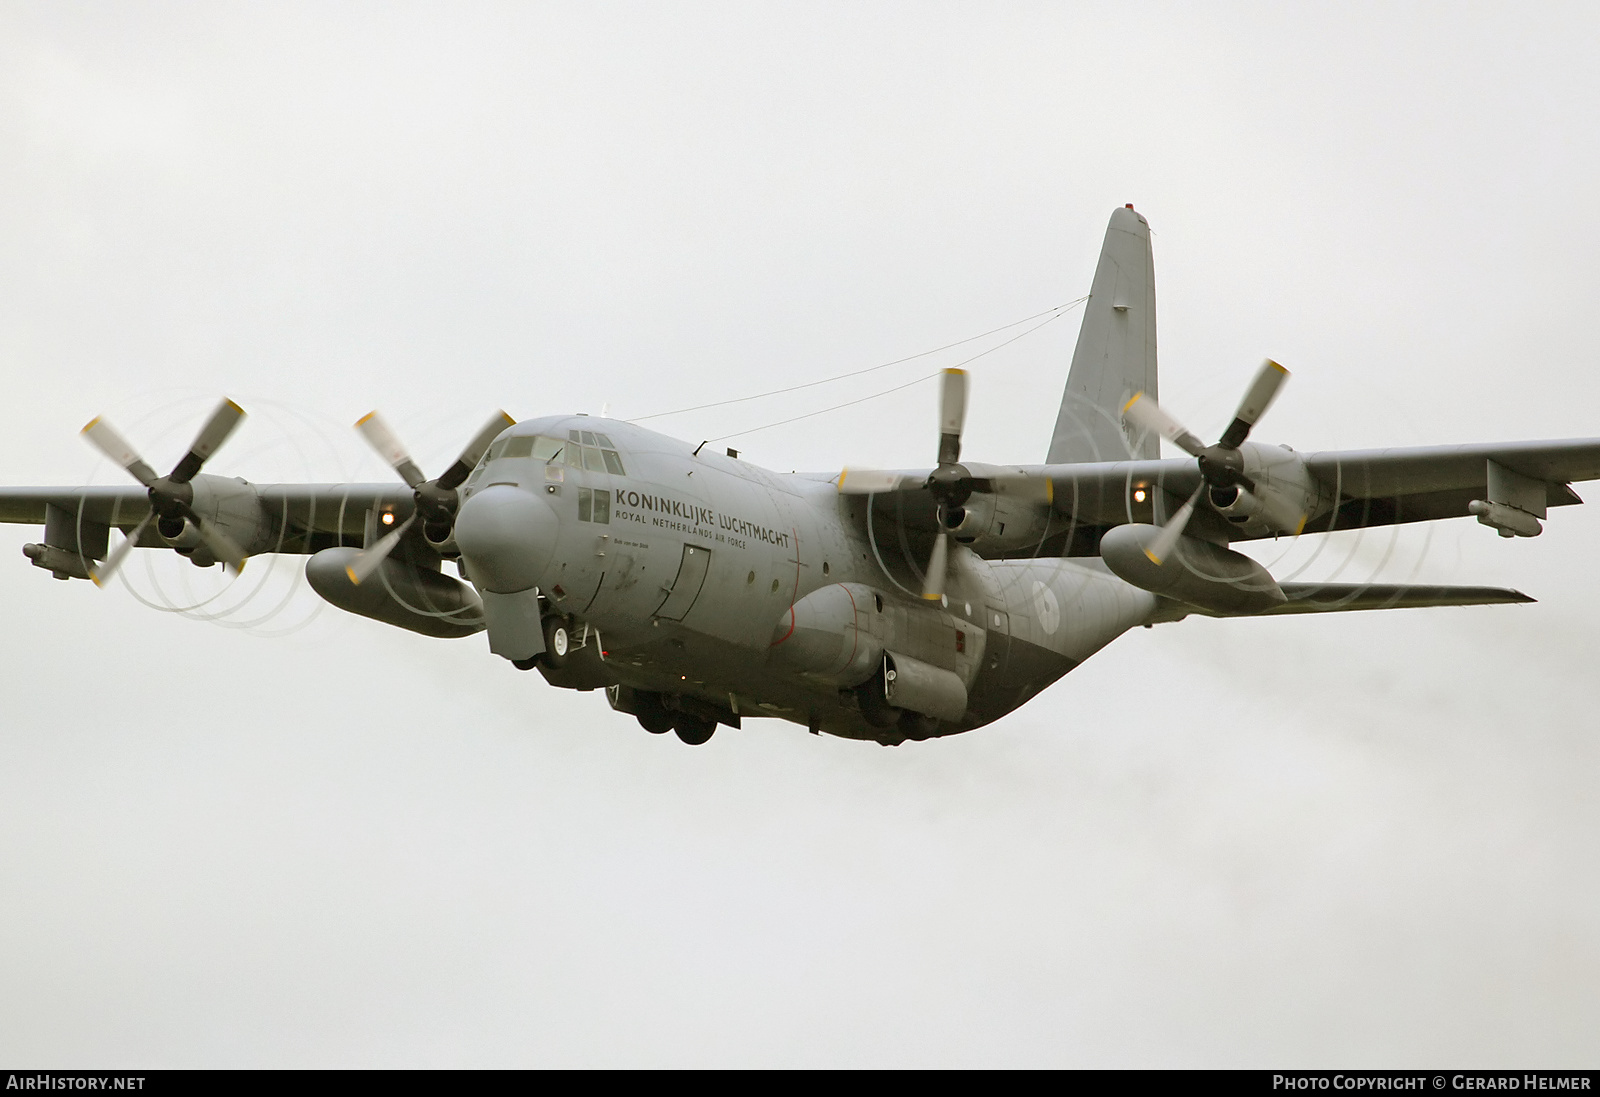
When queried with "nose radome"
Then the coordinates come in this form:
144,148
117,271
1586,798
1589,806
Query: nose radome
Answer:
507,537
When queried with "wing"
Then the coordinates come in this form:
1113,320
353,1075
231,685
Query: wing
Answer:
1389,486
260,518
1359,487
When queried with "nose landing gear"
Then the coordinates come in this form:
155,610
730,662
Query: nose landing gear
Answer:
693,729
694,721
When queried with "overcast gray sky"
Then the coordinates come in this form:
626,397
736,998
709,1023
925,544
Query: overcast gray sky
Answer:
1361,839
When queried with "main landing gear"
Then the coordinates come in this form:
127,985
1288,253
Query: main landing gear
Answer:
895,725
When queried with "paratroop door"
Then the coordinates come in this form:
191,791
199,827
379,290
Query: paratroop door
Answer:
686,587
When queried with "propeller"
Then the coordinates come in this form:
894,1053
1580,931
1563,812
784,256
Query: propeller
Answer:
1221,465
436,500
171,496
951,483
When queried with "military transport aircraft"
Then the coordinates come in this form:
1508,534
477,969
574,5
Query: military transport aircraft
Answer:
698,589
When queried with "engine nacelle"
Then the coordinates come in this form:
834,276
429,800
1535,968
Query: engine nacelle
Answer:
1197,572
1012,517
1281,477
233,508
412,598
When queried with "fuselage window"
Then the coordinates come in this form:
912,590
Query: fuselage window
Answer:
594,505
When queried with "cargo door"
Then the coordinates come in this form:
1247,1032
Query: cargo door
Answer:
686,587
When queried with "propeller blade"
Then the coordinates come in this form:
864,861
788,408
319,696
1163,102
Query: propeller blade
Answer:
456,473
1167,539
211,436
221,546
101,574
872,482
952,414
938,563
368,561
1257,399
1284,516
382,439
103,437
1143,413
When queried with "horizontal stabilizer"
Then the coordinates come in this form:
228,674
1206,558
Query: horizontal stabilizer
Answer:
1342,597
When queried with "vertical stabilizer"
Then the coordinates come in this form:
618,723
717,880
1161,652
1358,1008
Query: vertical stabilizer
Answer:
1116,353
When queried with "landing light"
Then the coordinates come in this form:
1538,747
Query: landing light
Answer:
1138,495
388,518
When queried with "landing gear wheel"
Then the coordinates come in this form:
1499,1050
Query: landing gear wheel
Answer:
557,642
692,729
525,664
656,723
918,727
877,711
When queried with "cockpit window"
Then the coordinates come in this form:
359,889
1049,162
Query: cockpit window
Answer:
535,446
569,451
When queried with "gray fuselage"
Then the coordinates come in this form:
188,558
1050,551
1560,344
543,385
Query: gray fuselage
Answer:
692,571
